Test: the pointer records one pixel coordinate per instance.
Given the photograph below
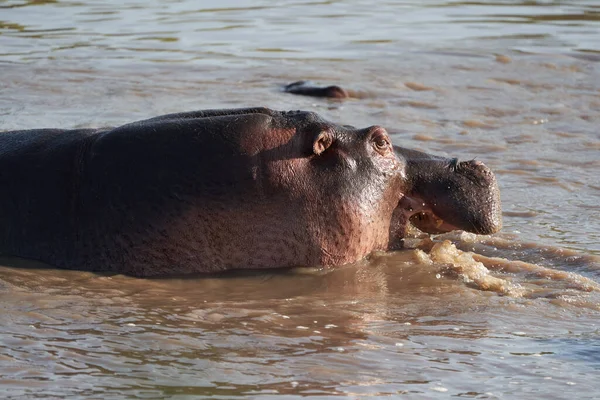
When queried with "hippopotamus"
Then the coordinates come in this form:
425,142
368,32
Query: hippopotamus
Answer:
307,88
215,190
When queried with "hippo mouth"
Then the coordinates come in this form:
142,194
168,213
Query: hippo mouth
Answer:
444,195
428,222
413,211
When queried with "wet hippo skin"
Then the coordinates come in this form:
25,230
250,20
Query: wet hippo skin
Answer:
307,88
213,190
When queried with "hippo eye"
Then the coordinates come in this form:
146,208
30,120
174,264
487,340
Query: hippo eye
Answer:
381,143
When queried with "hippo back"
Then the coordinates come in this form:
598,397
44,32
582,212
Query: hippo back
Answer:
38,179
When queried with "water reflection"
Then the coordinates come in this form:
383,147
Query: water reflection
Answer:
341,331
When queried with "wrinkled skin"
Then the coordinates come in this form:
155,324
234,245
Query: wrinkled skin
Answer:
213,190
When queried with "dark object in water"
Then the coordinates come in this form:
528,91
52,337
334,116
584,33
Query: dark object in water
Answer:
306,88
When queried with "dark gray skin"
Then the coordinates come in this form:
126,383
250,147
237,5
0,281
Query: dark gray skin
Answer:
443,195
214,190
306,88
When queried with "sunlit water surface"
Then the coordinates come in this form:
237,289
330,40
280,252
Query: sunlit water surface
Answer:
516,315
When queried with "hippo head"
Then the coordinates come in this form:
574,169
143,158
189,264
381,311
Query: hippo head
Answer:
442,195
306,88
364,191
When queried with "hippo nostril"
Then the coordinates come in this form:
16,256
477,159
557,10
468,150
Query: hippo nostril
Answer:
475,164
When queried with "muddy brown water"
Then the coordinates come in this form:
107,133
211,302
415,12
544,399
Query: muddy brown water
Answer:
514,315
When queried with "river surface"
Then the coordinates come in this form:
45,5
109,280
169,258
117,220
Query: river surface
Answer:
515,84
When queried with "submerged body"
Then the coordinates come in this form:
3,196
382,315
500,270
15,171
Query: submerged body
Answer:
306,88
214,190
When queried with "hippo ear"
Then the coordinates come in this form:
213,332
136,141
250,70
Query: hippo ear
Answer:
323,140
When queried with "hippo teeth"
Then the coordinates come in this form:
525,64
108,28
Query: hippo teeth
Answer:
429,222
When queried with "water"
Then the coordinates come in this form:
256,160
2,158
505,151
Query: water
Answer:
515,84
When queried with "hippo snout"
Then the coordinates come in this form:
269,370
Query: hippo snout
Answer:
448,194
471,199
